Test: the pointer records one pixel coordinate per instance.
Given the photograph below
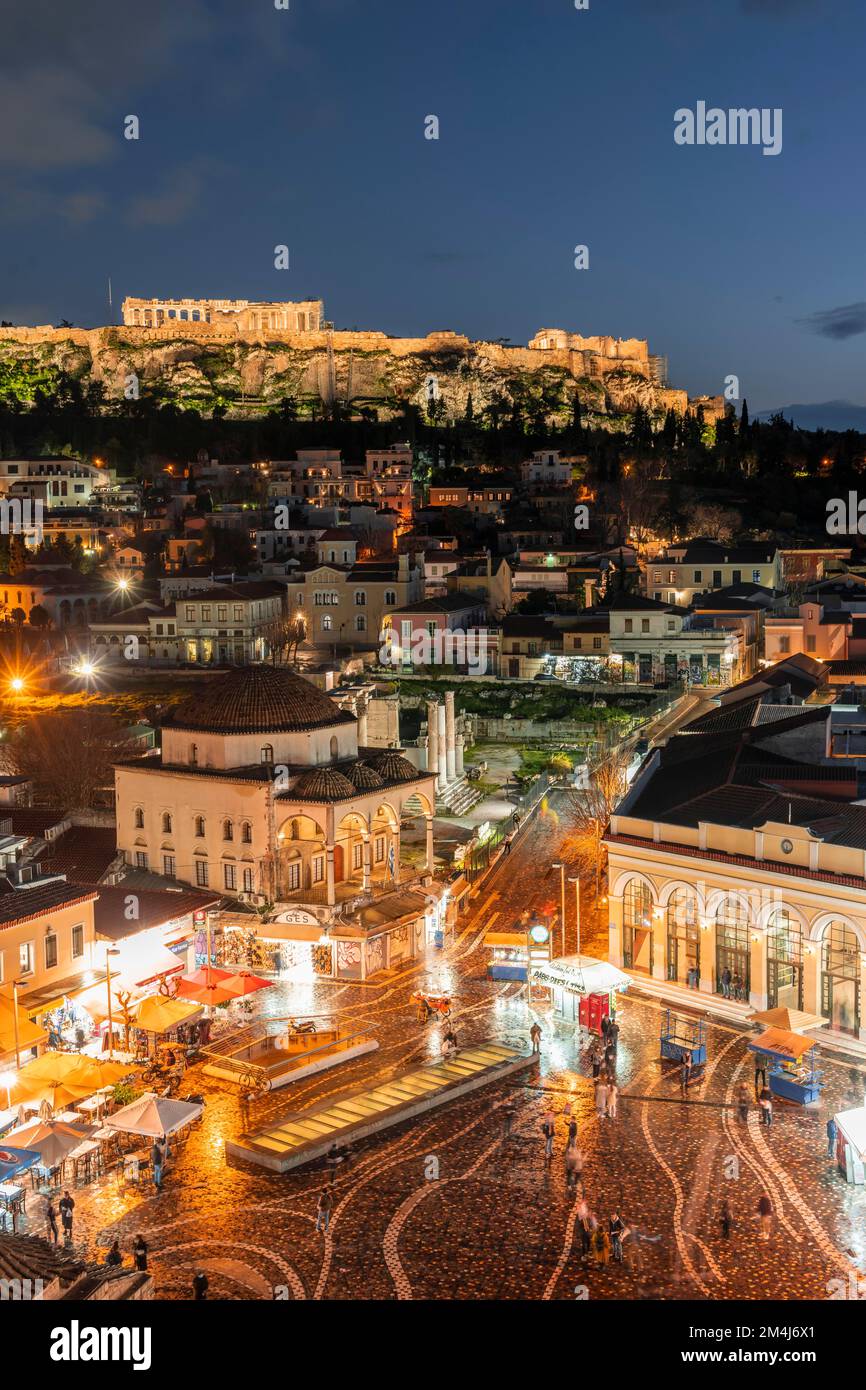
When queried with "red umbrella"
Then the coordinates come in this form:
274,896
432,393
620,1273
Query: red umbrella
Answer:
245,983
206,975
206,986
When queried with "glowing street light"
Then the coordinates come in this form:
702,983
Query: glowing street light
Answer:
8,1079
16,684
123,585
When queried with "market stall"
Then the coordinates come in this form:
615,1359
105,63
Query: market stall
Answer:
584,989
509,955
793,1071
851,1144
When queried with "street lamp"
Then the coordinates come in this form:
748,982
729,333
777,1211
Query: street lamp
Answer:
561,868
112,951
576,881
15,984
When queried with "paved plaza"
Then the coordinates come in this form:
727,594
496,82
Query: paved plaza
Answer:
448,1207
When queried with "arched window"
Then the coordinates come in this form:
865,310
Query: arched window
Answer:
246,832
335,747
228,830
733,957
390,597
637,929
166,823
784,961
683,938
139,818
199,827
840,978
360,623
267,754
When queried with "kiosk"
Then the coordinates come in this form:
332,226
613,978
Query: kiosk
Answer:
584,989
851,1144
793,1071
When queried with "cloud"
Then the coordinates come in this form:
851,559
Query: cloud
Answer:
848,321
180,196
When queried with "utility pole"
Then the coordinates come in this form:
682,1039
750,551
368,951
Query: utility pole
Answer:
561,868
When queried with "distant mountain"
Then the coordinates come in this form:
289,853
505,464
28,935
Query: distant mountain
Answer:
822,415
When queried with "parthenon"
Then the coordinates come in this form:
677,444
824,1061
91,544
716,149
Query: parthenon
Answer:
248,316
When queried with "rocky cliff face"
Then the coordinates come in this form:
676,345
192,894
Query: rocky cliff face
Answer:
196,368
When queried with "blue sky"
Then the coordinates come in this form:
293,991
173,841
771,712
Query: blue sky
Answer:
261,126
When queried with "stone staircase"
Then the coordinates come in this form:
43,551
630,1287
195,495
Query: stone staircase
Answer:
679,997
459,797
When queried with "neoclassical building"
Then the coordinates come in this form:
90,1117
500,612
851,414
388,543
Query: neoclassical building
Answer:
261,792
737,861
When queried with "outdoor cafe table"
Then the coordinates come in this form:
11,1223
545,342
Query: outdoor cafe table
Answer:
93,1107
11,1201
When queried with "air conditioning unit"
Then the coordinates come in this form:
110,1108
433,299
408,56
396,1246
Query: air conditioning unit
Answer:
245,897
257,899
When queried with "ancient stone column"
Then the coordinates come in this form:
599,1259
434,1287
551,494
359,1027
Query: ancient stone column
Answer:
449,734
367,862
361,712
429,865
432,740
458,755
442,744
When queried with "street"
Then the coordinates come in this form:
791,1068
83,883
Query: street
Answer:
444,1207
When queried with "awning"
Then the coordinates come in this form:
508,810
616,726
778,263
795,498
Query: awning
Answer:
791,1020
156,1014
142,962
778,1042
289,931
40,1001
505,938
580,975
29,1034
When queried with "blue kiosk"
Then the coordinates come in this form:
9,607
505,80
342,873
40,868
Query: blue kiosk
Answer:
793,1072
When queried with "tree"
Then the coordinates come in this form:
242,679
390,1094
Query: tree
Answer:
591,808
39,616
68,754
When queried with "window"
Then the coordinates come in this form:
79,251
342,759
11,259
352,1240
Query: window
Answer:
380,848
671,625
205,612
201,873
238,612
390,598
811,642
360,623
25,958
228,830
318,868
334,746
222,613
717,579
756,576
168,867
246,833
629,625
199,827
139,818
50,951
360,598
78,941
293,875
267,753
140,859
358,855
596,642
697,576
193,754
326,623
248,880
190,613
736,576
166,823
784,644
229,876
644,624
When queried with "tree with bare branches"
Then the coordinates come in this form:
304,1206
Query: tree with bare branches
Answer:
591,808
68,754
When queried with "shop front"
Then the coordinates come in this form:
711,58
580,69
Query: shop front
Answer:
583,989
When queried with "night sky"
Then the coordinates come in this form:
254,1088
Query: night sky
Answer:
260,126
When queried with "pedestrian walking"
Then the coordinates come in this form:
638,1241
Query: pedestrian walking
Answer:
595,1058
612,1098
725,1217
765,1215
139,1253
616,1231
601,1097
323,1210
726,982
610,1059
67,1207
601,1245
766,1104
548,1130
573,1167
114,1256
760,1075
613,1034
832,1131
535,1035
685,1072
51,1218
572,1131
605,1028
200,1286
156,1159
584,1222
743,1100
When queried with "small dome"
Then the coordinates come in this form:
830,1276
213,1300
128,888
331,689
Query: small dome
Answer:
363,777
322,784
393,767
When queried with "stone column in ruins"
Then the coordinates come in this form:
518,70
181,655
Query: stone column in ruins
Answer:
449,735
442,743
458,755
433,740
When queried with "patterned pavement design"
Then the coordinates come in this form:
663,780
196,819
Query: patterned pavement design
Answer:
445,1206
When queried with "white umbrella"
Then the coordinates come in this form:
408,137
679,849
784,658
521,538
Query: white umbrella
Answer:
154,1116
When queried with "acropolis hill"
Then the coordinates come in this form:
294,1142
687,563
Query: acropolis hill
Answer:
248,356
